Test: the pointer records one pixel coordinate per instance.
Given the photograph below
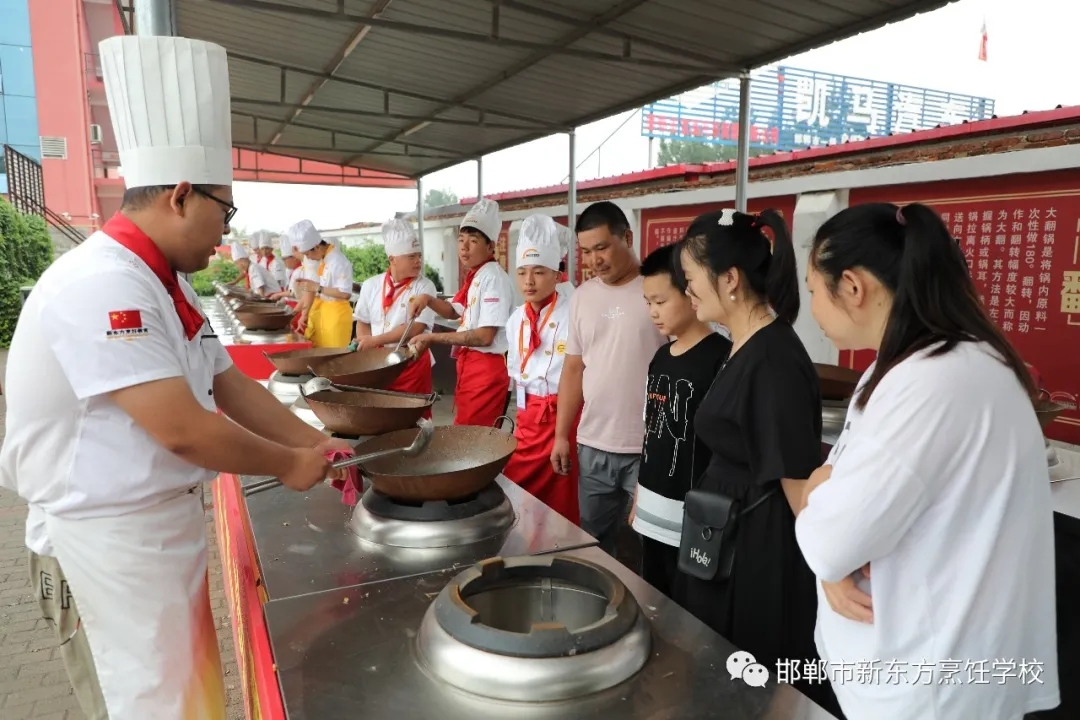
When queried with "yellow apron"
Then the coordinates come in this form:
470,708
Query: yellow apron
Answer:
330,322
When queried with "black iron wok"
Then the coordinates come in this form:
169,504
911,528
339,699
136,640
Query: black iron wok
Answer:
460,461
365,368
367,412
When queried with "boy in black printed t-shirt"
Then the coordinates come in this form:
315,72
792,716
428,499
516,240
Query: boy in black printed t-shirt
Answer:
672,458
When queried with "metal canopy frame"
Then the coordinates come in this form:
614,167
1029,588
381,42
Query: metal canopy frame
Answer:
411,87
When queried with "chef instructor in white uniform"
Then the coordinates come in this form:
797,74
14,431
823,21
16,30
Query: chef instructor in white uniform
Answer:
109,338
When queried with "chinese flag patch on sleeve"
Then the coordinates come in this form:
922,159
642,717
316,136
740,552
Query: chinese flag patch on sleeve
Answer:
125,320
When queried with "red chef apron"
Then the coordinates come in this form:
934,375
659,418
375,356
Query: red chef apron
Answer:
530,465
482,388
416,378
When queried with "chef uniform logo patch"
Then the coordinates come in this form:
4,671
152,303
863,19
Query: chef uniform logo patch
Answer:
125,324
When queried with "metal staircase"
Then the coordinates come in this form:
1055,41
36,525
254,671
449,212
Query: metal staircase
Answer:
26,191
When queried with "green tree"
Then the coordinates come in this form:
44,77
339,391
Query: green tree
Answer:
220,270
370,260
440,198
25,251
679,152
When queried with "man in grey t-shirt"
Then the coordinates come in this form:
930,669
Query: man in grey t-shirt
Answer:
611,341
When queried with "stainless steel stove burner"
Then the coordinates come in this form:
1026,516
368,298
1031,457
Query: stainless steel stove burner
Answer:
302,410
534,629
383,521
262,337
286,387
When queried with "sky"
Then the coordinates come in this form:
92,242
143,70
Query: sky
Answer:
1028,42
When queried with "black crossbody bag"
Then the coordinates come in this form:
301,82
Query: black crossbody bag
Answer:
710,521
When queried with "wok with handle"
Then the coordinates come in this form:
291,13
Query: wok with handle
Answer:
296,362
420,441
460,461
366,368
263,320
365,412
837,383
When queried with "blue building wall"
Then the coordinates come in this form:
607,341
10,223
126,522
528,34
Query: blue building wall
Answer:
18,103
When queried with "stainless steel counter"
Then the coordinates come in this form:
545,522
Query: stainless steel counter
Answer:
351,652
304,546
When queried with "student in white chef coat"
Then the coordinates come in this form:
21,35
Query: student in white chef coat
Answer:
325,312
483,303
294,272
937,493
110,337
537,332
265,246
259,279
382,312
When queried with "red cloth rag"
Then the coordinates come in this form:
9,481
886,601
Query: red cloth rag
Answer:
352,486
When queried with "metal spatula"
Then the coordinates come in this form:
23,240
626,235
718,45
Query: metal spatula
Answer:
396,355
418,445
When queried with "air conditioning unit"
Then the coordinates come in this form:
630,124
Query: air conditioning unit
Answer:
95,133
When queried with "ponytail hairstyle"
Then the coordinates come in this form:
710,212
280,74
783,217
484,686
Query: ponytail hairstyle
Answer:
909,250
725,239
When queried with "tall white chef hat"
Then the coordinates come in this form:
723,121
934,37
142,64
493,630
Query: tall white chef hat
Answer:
399,238
262,239
538,242
484,216
169,102
303,236
239,252
285,245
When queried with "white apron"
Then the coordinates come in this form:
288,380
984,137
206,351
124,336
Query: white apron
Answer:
141,584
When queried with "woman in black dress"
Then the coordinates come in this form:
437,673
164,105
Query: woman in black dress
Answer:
762,421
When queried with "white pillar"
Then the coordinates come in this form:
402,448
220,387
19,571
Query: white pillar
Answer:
811,211
742,157
420,213
479,177
571,206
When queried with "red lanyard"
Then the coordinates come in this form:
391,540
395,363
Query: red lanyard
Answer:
526,356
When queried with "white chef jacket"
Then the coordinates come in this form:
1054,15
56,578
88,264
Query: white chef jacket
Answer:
279,271
70,451
259,278
488,304
566,289
337,272
544,367
942,484
295,275
369,307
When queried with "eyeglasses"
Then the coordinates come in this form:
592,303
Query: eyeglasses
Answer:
230,209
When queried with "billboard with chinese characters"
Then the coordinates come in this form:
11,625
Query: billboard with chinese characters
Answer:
1021,237
792,109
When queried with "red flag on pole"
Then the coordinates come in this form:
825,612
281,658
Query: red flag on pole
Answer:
983,43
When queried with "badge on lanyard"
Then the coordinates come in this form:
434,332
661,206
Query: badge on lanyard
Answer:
521,396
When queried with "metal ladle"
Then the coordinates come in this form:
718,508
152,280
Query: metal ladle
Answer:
418,445
396,356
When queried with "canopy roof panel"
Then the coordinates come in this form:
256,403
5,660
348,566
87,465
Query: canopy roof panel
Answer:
414,86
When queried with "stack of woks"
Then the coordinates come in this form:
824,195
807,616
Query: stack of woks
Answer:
837,386
350,398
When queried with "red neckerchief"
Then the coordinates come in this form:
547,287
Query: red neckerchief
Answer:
392,290
462,296
535,326
125,232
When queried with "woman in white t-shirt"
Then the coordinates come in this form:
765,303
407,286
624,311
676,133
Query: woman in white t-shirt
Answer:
937,492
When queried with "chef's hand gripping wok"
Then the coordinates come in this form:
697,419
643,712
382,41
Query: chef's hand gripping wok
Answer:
418,445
